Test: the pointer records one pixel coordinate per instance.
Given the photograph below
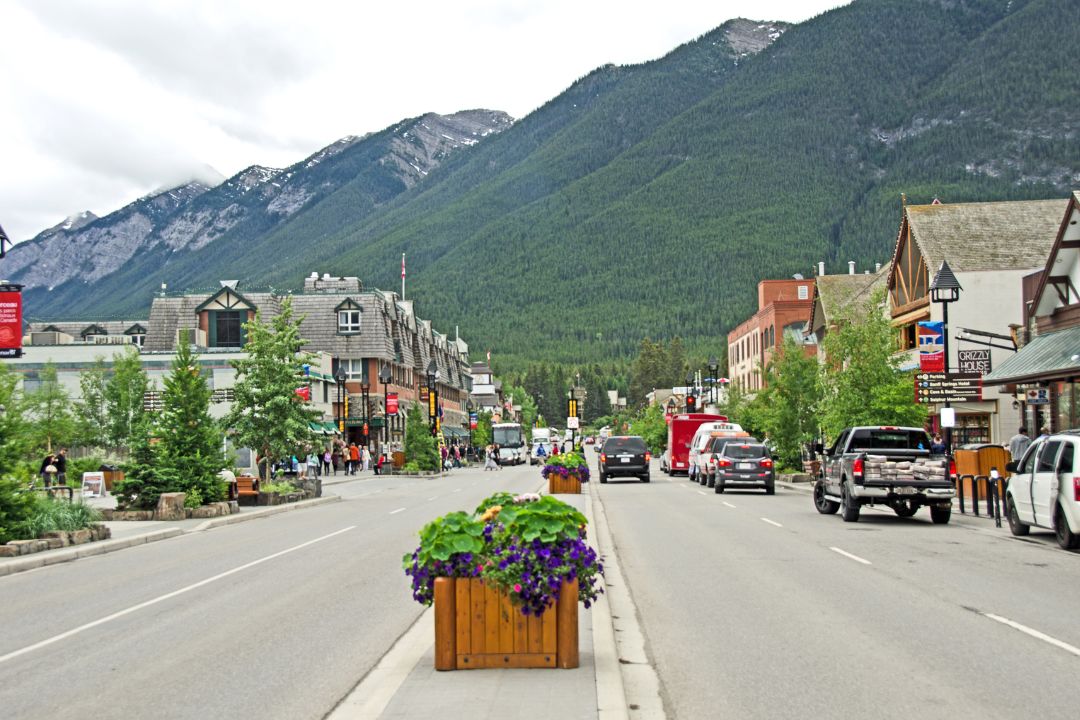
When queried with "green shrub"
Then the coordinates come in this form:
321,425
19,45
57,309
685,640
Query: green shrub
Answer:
50,515
15,508
193,498
278,487
76,468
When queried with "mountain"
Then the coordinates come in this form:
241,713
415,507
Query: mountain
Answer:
66,267
648,200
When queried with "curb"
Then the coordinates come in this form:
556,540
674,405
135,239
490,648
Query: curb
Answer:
55,557
801,487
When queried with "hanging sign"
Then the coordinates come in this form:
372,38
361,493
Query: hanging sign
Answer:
931,336
11,321
974,361
472,421
304,393
391,404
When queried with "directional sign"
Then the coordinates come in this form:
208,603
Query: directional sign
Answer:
974,361
948,387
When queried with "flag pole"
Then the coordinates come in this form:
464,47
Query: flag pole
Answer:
402,276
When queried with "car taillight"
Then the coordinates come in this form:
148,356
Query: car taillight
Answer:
766,462
1076,489
648,457
603,457
952,468
712,461
856,467
723,463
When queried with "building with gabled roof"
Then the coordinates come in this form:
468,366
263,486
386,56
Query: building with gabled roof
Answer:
836,297
990,246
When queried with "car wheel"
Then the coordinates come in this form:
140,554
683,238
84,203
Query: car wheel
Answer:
824,505
720,485
1016,527
941,515
603,478
1067,539
849,509
710,481
905,508
644,478
770,489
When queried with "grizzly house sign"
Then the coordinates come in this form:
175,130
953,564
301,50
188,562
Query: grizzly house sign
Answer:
974,361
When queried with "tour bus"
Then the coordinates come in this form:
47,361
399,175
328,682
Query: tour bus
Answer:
510,437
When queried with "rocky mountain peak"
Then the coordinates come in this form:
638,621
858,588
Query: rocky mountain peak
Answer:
749,37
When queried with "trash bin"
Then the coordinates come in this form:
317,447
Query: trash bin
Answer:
113,474
979,459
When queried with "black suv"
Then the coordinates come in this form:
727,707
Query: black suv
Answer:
741,465
624,456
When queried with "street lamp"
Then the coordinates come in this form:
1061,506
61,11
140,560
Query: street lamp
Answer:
341,377
714,365
469,411
433,395
365,386
945,289
384,378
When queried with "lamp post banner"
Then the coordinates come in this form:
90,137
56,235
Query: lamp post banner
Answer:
931,337
391,404
11,331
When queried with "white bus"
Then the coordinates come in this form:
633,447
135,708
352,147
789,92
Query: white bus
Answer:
511,441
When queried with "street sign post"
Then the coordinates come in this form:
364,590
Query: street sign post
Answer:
940,388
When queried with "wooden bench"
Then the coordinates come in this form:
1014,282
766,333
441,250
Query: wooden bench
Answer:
247,488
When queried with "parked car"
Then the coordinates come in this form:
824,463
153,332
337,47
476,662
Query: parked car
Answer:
696,464
625,456
1044,490
740,464
664,468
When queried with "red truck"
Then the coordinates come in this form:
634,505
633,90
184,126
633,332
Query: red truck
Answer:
681,429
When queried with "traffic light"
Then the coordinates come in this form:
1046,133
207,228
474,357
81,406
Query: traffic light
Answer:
691,403
571,407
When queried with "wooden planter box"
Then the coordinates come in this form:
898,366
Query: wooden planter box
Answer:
478,627
569,485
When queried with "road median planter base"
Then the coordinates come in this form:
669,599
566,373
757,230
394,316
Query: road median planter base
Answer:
477,626
559,485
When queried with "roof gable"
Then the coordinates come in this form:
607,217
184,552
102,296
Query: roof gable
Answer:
227,298
1061,275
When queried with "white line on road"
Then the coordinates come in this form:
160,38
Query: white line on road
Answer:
457,489
162,598
1034,633
702,492
856,558
395,512
432,498
771,522
728,504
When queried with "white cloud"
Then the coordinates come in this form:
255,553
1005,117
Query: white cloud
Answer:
106,100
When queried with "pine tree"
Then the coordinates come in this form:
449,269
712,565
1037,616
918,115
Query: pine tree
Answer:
49,411
267,414
125,394
191,443
91,416
145,474
420,445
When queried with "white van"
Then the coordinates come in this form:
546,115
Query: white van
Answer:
705,433
1044,490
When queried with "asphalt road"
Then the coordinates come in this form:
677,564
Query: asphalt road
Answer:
759,607
273,618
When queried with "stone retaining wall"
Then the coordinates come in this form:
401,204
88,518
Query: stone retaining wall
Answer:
56,540
211,510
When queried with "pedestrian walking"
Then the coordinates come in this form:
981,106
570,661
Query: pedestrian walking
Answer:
365,458
457,456
937,446
1044,432
61,467
312,465
354,458
1018,444
379,463
489,458
335,458
327,460
48,469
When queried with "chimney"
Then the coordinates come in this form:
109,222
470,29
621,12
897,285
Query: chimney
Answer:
877,267
850,267
821,268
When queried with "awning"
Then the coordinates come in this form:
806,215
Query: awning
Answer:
454,432
1049,356
323,428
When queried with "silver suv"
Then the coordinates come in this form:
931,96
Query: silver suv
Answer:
1044,490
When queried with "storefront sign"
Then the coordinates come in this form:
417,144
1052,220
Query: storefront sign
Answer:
931,337
391,404
11,321
974,361
1037,396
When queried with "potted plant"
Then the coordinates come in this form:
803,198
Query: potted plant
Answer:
565,473
505,581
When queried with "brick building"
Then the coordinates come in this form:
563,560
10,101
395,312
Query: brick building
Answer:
783,308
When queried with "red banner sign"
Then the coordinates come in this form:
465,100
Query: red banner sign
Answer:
11,321
304,393
391,404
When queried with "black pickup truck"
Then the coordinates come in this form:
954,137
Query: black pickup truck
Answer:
892,466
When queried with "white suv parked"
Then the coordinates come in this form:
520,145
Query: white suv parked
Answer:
1044,490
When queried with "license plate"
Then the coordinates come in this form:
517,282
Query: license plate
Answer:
624,459
746,466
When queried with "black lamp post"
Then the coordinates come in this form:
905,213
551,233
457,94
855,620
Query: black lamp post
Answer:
365,386
714,365
945,289
468,419
433,395
340,377
384,377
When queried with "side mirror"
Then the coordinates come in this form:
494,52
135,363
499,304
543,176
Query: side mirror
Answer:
819,448
1013,467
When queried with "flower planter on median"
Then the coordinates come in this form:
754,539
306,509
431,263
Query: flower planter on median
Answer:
568,485
477,626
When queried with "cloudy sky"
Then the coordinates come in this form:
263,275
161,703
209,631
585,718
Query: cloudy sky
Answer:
104,101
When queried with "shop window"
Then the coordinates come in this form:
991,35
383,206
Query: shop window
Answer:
348,321
973,428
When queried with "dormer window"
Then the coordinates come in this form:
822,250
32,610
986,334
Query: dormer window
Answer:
349,317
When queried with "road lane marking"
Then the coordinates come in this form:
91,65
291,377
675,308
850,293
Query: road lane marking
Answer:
1034,633
702,492
432,498
772,522
395,512
162,598
856,558
457,489
729,504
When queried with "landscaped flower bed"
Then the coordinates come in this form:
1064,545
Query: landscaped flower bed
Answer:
506,580
565,473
